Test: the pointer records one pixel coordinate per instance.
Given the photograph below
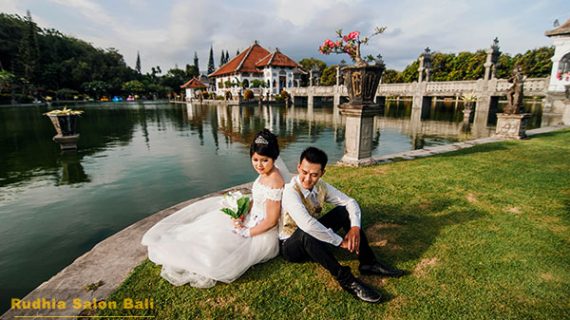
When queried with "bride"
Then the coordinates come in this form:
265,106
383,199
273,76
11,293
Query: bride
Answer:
200,245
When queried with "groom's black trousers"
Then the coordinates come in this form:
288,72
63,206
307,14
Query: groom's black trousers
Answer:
302,247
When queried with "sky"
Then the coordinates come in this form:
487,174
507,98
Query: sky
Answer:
166,33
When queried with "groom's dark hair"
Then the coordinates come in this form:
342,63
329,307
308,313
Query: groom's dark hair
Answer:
315,155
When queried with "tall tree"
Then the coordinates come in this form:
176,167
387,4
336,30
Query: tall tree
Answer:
222,58
196,62
211,67
227,56
138,65
29,52
309,63
191,71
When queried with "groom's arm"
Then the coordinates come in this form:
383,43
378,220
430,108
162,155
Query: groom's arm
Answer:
293,205
338,198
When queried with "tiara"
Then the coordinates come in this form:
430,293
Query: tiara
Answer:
261,140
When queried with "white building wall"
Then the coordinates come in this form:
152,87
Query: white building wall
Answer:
562,47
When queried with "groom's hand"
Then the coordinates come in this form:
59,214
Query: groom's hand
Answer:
351,241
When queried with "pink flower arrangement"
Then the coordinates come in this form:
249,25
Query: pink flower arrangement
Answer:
349,44
563,75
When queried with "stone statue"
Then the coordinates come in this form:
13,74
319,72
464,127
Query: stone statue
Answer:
515,92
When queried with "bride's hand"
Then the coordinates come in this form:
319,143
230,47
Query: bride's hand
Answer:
238,223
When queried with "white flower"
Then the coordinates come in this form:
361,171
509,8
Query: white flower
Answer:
230,200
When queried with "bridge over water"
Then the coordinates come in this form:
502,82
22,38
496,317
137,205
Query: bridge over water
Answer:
423,93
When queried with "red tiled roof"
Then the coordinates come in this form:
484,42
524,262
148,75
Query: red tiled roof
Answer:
277,59
193,84
560,31
243,62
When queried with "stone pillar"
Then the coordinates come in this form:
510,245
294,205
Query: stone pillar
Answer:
421,70
488,65
362,84
310,101
416,128
336,98
358,135
338,76
419,100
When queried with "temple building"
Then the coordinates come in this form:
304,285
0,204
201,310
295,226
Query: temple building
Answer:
193,87
258,69
557,100
560,76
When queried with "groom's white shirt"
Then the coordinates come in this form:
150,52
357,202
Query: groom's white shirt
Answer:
292,204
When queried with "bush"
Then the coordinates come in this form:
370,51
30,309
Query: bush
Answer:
205,95
228,95
66,94
258,83
219,97
5,98
285,96
248,94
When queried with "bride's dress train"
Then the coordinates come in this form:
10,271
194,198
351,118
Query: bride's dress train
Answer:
197,245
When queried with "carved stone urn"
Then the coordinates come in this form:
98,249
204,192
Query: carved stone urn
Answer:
65,123
361,82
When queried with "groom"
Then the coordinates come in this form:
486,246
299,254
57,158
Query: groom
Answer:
306,234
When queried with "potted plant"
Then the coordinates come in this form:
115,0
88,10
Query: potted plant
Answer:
361,79
64,121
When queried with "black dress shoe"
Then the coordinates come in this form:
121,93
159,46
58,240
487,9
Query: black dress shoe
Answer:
381,270
362,291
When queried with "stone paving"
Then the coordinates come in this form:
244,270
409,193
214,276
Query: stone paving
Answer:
113,259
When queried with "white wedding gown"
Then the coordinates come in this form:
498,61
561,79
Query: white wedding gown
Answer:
196,245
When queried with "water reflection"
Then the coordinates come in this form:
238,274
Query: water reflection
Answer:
72,171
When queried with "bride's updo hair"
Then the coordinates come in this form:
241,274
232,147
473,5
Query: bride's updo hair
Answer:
265,144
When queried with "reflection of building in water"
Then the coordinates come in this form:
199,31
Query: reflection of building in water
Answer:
240,124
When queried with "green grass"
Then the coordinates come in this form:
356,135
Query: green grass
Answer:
484,233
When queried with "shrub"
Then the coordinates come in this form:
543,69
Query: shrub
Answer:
258,83
248,94
66,94
285,95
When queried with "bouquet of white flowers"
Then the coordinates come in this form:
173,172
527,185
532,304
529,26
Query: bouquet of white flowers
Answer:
236,205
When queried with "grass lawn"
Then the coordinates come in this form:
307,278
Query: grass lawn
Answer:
484,233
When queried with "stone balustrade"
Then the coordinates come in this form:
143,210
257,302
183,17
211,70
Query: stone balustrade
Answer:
496,87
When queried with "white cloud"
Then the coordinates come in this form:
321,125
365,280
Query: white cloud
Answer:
168,33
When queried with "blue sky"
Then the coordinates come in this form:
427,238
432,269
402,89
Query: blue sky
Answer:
166,33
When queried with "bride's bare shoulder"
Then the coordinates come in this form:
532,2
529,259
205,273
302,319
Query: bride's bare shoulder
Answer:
275,180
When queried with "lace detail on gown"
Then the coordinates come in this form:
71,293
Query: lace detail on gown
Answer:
197,246
261,193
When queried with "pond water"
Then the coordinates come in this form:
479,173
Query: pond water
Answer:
135,159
